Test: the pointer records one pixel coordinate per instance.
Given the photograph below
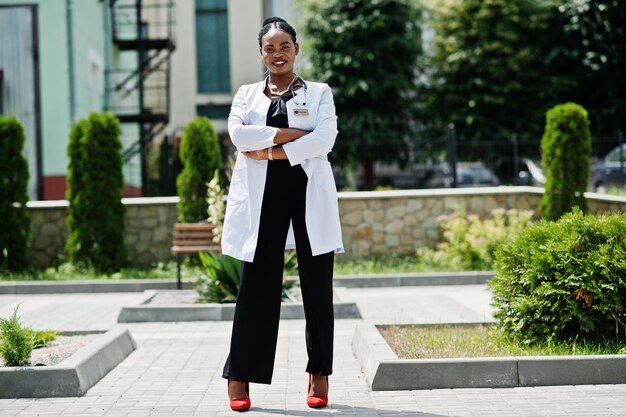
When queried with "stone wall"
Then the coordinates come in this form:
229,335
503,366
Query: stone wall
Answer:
402,221
372,222
49,232
148,230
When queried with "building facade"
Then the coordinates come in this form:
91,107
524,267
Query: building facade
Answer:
62,59
52,62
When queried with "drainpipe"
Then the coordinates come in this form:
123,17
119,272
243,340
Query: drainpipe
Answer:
107,54
70,59
1,81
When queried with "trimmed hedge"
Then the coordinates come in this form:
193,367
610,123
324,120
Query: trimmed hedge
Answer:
95,187
201,156
14,219
566,148
564,280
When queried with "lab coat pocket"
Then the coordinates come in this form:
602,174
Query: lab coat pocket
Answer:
328,179
301,116
301,122
322,215
238,192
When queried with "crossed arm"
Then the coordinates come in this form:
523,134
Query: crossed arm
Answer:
296,145
283,135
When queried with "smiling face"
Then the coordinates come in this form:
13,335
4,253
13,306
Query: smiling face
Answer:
278,51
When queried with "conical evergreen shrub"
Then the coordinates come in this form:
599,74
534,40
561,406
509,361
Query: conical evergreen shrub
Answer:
95,186
566,148
14,219
201,156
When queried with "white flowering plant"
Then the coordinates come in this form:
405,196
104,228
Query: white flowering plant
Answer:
217,207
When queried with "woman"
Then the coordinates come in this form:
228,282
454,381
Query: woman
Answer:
282,195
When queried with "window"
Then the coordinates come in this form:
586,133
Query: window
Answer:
214,112
614,155
212,56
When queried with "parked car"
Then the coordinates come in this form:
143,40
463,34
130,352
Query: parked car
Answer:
609,171
475,175
527,172
469,174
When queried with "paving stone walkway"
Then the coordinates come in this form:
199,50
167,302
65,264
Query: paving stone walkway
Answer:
68,312
176,370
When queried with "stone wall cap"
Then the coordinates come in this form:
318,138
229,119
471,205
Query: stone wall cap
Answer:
610,198
131,201
444,192
354,195
432,192
142,201
44,204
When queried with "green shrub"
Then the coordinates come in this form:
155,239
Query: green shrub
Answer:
42,338
95,184
220,281
14,219
470,242
201,156
566,148
291,263
16,341
564,280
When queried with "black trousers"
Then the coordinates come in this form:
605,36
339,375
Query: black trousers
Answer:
257,313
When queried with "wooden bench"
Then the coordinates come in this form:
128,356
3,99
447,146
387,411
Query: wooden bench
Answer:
190,239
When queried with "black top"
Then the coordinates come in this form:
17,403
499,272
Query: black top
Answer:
277,113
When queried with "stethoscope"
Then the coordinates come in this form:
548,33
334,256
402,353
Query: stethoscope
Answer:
304,87
290,88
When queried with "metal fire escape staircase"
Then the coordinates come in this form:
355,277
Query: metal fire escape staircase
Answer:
139,92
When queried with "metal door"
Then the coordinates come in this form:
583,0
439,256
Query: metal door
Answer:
18,54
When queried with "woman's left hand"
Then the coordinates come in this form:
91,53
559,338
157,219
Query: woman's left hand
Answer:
260,155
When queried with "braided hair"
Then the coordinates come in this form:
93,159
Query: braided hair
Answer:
278,23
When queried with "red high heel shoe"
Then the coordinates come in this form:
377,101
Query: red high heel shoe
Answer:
241,404
315,401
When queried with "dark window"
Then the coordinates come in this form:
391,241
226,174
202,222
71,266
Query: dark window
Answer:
214,112
212,46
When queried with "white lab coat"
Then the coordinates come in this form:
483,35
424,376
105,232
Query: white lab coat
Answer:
248,131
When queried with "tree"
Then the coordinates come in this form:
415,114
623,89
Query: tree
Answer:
95,184
566,148
487,71
367,52
201,156
14,219
594,49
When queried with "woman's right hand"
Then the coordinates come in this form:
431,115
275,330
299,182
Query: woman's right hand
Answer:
288,134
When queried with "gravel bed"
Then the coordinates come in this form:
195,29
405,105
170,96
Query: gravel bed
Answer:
58,350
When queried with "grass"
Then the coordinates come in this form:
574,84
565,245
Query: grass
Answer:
371,265
379,265
476,341
67,272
